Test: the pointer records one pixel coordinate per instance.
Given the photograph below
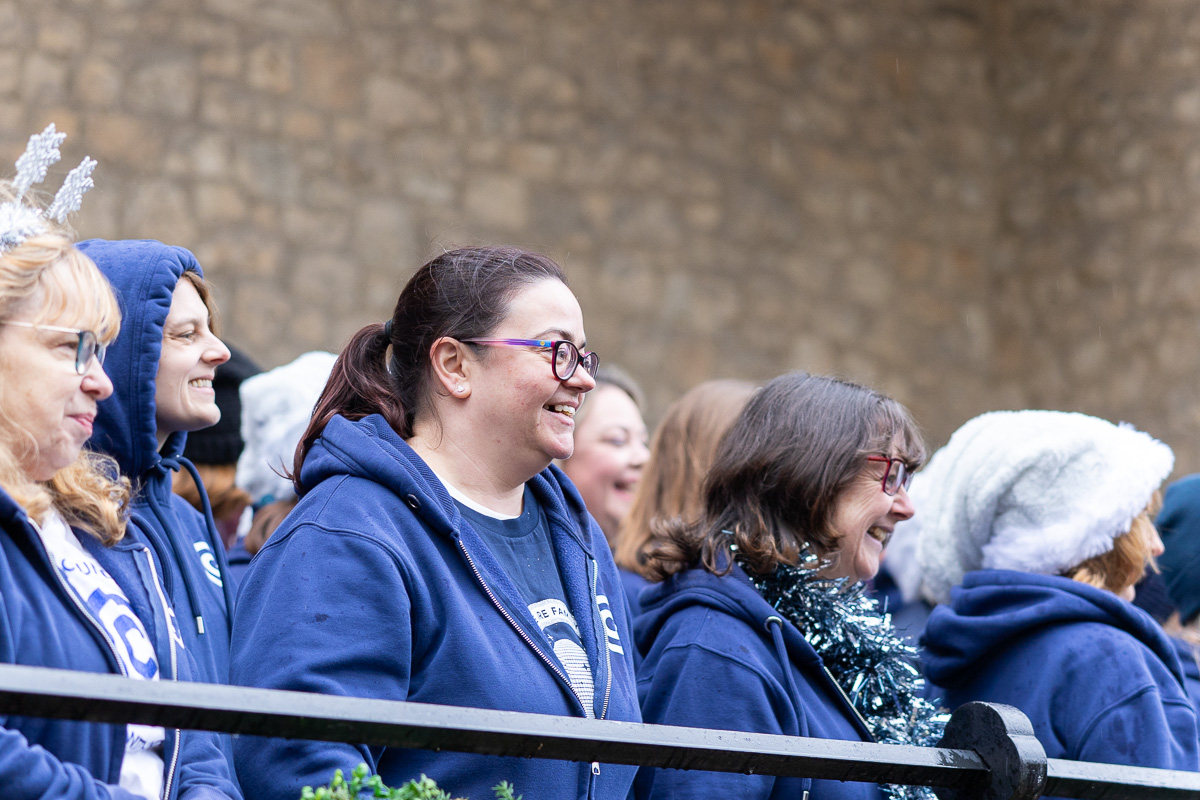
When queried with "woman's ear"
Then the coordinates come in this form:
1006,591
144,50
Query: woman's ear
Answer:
450,367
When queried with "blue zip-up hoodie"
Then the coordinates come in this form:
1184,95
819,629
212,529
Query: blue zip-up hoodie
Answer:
43,622
375,586
1096,675
144,275
1189,661
717,655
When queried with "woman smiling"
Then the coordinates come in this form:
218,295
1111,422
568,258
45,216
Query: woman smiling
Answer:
435,554
77,589
804,491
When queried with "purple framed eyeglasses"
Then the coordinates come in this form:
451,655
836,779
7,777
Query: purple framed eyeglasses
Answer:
897,474
566,355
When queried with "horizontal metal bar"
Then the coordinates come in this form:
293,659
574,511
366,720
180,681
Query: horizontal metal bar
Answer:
64,694
1083,779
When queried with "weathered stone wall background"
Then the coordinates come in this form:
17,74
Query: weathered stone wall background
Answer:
972,204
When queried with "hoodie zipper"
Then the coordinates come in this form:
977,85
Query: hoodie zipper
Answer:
603,633
520,632
168,613
846,697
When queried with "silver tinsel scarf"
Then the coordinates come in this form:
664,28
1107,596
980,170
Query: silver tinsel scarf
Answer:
874,666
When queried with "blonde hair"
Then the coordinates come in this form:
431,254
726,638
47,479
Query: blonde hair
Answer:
46,276
681,453
1132,552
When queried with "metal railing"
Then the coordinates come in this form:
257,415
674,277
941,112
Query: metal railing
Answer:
989,751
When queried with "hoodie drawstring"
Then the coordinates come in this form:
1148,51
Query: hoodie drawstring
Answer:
214,538
775,626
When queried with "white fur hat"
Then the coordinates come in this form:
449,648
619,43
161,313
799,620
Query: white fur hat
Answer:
1035,491
276,408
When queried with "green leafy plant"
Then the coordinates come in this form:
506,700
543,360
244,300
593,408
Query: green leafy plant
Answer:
361,778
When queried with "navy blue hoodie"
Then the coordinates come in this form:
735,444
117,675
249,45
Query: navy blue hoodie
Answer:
144,275
43,623
717,655
375,586
1097,676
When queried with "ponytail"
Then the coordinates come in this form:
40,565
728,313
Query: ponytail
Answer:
359,385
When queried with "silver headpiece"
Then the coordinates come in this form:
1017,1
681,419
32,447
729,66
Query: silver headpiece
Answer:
19,221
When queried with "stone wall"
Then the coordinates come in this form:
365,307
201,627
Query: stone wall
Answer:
944,199
1097,285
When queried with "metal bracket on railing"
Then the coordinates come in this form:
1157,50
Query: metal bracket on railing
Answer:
1003,737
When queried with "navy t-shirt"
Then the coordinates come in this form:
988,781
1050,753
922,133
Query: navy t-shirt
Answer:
522,547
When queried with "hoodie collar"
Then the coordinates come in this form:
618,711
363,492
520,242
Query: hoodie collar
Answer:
370,449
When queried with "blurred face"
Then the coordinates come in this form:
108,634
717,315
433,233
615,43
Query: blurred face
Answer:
610,452
183,393
524,412
863,521
40,391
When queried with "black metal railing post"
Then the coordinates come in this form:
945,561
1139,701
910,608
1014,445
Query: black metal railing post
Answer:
1003,738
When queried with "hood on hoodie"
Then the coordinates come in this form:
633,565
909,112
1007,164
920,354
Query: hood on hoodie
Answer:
993,608
144,274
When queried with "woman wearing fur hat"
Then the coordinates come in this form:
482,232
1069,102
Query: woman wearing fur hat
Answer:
1034,527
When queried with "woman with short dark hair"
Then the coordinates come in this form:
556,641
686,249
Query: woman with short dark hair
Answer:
803,493
435,554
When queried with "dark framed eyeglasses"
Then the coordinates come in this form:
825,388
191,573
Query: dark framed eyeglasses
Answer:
89,344
566,355
897,474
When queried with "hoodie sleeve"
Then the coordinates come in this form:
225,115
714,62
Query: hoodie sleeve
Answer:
320,611
1143,729
32,773
697,685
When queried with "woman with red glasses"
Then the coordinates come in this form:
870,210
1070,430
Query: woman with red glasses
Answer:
435,554
761,624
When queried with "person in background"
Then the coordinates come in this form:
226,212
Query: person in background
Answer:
681,453
80,590
747,630
1178,524
277,406
162,366
610,448
436,554
215,450
1034,528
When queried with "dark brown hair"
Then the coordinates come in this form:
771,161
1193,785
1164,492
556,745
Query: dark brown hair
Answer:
779,472
681,453
463,294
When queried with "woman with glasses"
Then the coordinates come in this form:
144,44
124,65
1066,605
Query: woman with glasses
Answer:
1035,527
435,554
746,631
78,589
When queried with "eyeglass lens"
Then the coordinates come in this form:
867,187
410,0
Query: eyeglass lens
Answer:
566,359
897,476
89,346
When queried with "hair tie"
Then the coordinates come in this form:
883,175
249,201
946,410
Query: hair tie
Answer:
387,329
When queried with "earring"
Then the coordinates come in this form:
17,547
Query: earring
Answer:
459,389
